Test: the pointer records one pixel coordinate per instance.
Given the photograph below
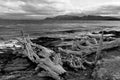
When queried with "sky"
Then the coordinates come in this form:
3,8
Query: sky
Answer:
40,9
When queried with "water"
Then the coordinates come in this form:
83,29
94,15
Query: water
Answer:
37,29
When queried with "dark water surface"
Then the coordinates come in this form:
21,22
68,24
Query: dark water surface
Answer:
38,29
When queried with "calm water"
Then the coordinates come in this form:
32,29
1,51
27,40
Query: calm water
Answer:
40,28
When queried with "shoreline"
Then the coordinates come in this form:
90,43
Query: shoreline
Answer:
68,44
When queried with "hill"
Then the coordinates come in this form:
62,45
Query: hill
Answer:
86,17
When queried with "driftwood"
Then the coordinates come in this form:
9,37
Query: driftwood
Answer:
82,51
99,49
41,56
93,48
111,44
75,53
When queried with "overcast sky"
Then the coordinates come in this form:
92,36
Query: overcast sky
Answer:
39,9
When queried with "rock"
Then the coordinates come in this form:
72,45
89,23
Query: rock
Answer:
17,64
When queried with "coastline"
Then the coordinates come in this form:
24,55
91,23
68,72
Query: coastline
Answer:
63,42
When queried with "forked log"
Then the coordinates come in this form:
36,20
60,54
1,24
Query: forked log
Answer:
42,58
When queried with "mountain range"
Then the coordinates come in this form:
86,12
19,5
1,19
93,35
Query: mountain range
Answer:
85,17
60,17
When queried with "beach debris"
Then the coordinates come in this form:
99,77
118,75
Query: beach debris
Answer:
99,49
50,61
44,57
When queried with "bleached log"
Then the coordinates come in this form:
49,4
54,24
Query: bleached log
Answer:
93,48
70,51
54,68
112,44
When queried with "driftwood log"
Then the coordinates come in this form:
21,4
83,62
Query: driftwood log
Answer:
82,51
93,47
51,62
42,57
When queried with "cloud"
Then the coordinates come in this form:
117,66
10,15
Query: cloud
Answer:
105,10
33,8
41,9
27,9
7,6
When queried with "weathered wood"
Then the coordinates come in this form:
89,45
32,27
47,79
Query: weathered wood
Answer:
111,44
70,51
92,49
52,67
99,49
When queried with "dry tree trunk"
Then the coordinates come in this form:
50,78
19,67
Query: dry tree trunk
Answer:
99,49
42,58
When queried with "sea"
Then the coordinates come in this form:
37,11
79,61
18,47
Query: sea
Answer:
12,29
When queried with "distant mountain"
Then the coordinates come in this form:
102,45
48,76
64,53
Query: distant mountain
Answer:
86,17
61,17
